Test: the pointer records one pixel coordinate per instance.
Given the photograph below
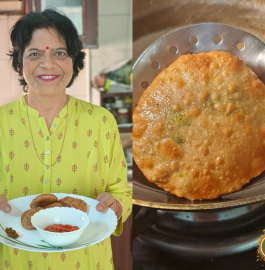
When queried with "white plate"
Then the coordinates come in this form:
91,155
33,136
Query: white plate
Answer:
101,226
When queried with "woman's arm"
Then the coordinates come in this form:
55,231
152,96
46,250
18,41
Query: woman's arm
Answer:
117,184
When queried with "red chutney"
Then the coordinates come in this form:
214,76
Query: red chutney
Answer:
60,228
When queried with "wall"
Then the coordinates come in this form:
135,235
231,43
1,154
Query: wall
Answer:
115,33
9,86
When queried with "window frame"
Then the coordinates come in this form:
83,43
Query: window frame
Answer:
89,37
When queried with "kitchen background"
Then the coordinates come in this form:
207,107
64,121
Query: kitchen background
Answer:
114,45
114,40
114,22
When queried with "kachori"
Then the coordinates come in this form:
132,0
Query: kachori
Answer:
199,128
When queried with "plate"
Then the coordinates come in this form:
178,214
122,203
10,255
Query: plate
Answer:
101,226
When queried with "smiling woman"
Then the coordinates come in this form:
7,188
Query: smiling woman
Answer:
51,142
59,27
47,71
46,65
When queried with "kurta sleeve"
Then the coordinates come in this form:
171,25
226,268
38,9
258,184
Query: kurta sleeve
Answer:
117,181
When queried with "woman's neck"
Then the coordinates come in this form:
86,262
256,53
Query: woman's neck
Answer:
47,106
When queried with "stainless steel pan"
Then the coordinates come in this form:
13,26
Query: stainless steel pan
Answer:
169,14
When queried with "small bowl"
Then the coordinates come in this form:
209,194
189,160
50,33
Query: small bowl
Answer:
57,215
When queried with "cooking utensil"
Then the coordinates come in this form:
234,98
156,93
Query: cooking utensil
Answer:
197,38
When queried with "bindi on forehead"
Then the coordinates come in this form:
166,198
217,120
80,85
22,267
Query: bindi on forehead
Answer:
47,48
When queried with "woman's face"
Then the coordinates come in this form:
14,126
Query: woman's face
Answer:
47,68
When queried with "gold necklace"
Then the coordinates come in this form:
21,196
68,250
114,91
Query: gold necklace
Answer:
34,142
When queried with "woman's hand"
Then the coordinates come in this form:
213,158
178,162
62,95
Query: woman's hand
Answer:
105,201
4,206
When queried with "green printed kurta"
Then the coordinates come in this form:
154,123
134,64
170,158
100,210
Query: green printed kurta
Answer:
91,162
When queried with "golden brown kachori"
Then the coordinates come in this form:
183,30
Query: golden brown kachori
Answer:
199,128
73,202
26,218
43,200
56,204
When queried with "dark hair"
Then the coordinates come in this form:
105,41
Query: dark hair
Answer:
21,34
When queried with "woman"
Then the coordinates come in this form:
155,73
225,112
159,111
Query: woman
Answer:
52,143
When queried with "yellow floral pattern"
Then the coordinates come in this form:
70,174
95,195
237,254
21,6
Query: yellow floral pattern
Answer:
91,162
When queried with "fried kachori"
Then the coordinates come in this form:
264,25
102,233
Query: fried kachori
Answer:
43,200
26,218
56,204
73,202
199,128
